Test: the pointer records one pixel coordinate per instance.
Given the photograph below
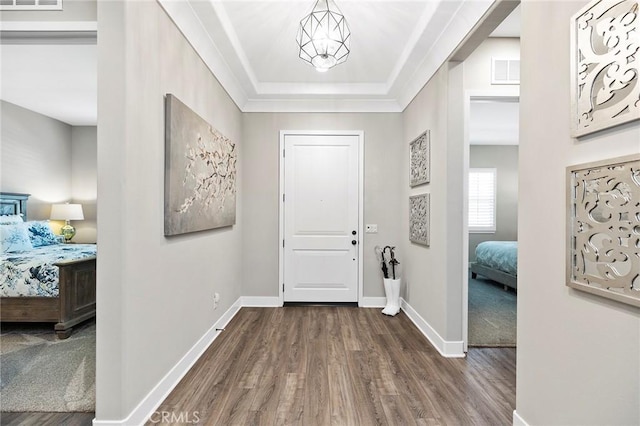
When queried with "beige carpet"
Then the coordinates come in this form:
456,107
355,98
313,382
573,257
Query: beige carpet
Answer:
39,372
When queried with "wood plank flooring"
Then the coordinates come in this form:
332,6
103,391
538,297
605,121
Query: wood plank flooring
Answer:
338,366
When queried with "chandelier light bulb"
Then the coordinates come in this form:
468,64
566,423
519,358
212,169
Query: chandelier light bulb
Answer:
324,37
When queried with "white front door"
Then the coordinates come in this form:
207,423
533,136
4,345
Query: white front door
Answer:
321,218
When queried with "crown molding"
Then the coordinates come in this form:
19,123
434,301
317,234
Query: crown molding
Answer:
187,21
322,105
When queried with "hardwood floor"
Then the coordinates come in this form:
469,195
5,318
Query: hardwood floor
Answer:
338,366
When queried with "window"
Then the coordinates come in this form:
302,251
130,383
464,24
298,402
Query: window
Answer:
482,200
30,4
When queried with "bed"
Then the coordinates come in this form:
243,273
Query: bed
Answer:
54,283
498,261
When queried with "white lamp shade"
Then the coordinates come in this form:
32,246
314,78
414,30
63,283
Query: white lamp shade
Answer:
67,212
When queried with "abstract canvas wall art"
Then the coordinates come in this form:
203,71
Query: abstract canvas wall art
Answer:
419,219
200,173
604,228
419,153
604,65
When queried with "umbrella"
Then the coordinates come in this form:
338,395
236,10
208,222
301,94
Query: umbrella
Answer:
380,255
393,261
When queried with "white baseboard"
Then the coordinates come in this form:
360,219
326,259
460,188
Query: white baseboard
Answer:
449,349
517,420
261,301
159,393
372,302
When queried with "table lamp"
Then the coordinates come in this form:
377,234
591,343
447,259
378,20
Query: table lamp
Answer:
67,212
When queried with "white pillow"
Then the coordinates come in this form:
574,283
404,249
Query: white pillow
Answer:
11,219
14,238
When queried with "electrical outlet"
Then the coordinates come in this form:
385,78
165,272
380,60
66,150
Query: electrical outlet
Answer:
216,300
371,228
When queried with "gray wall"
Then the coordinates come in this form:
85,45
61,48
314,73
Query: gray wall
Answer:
35,158
433,275
260,160
84,179
155,294
52,161
578,354
504,158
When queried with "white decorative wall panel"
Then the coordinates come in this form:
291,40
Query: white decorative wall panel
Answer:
606,86
604,227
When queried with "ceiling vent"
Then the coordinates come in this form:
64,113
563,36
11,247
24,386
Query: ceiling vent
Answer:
505,71
30,4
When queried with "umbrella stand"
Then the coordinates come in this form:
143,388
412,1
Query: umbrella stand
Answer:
391,285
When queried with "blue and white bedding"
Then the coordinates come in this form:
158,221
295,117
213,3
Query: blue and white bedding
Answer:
32,272
500,255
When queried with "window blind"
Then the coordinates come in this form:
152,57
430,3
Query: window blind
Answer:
482,200
30,4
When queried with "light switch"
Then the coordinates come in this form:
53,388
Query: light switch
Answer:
371,228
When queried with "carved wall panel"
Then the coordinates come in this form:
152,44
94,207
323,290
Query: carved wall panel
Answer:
419,160
604,228
419,219
606,85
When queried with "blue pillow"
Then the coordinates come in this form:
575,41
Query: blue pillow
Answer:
41,234
14,238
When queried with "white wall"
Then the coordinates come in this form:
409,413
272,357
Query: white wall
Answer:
382,202
35,158
578,355
477,67
84,179
505,160
155,294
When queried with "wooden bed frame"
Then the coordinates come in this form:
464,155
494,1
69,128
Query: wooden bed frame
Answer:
501,277
76,301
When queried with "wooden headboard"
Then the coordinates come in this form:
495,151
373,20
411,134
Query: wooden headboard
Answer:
12,203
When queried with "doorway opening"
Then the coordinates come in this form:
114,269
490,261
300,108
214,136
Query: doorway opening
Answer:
492,221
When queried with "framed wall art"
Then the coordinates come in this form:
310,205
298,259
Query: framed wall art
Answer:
419,159
200,173
604,228
605,87
419,219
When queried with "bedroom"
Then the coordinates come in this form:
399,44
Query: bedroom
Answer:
49,150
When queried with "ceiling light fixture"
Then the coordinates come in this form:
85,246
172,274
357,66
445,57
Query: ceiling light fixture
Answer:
324,36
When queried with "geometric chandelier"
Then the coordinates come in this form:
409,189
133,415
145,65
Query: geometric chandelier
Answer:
324,36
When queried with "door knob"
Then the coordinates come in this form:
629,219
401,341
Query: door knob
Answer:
354,242
353,232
